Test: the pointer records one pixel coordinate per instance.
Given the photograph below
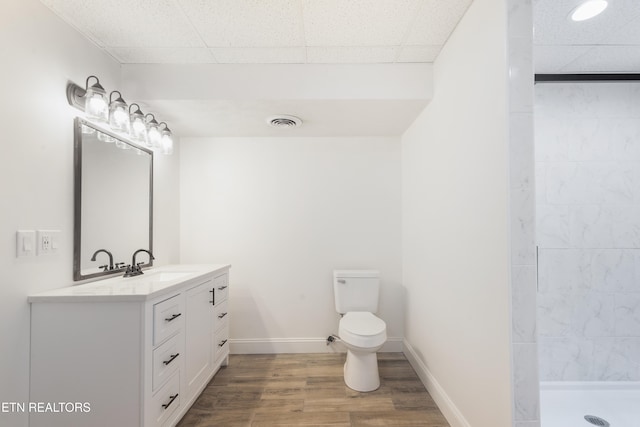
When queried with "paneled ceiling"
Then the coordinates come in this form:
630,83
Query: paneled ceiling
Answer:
608,43
265,31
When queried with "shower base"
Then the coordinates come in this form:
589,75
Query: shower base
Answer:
565,404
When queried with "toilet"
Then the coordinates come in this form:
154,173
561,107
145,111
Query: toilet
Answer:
356,298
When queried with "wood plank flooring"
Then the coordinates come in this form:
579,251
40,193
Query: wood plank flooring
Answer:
309,390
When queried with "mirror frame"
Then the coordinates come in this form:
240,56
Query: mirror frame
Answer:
77,197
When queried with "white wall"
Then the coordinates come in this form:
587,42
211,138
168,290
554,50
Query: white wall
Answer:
455,226
40,54
588,199
285,212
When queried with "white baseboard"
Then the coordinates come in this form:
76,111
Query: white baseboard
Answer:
298,345
446,405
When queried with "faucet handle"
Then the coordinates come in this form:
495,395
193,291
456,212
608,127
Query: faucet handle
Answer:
104,267
119,265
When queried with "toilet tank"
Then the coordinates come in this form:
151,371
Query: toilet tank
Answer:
356,290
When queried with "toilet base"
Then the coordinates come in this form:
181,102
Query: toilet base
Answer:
361,371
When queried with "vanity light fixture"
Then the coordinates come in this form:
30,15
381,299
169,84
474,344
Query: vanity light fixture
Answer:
166,141
92,99
588,10
128,120
153,131
138,131
118,114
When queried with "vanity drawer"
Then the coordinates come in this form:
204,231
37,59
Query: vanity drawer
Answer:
166,401
166,360
221,314
222,343
220,288
167,318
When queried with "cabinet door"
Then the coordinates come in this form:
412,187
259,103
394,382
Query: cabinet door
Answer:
199,328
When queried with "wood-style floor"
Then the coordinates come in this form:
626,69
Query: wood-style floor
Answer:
309,390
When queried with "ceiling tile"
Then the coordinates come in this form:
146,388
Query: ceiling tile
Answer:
246,23
551,59
435,21
249,55
357,22
553,25
351,55
162,55
126,23
418,53
607,59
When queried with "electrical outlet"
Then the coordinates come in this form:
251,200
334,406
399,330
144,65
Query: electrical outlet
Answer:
48,241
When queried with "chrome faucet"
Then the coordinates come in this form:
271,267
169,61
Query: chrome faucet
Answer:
135,269
104,267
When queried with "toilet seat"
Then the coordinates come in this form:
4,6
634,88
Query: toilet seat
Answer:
362,329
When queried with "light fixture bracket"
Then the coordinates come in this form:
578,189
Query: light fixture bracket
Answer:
75,96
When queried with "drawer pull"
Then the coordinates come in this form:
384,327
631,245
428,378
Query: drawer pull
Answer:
222,315
214,297
223,342
173,356
169,319
166,405
222,288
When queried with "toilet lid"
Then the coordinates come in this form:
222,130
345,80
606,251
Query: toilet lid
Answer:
362,323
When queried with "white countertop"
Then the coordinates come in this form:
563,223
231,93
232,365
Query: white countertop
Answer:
154,282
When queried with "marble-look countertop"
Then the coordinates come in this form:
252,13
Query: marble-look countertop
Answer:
154,282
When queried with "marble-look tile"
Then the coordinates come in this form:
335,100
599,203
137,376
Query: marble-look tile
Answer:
564,358
523,291
523,250
555,312
607,270
521,163
593,315
587,147
559,270
615,359
625,139
589,138
520,16
627,314
552,226
535,423
551,139
591,226
541,182
525,382
521,77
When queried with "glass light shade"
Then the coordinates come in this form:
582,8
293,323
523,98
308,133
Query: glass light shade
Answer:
96,105
118,114
166,142
153,132
138,127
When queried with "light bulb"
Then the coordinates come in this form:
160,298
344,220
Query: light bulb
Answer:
588,10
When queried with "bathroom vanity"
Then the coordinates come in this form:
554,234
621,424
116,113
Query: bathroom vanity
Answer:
128,351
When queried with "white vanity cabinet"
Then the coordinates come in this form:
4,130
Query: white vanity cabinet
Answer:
133,351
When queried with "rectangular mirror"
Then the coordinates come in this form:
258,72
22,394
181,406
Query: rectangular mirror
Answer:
113,201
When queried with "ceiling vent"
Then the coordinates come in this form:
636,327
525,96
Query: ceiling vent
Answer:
283,121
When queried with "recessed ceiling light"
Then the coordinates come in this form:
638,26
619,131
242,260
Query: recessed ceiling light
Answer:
588,10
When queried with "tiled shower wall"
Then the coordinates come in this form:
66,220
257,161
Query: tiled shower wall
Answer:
587,141
526,406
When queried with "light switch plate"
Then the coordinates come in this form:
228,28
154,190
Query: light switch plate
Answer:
25,243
